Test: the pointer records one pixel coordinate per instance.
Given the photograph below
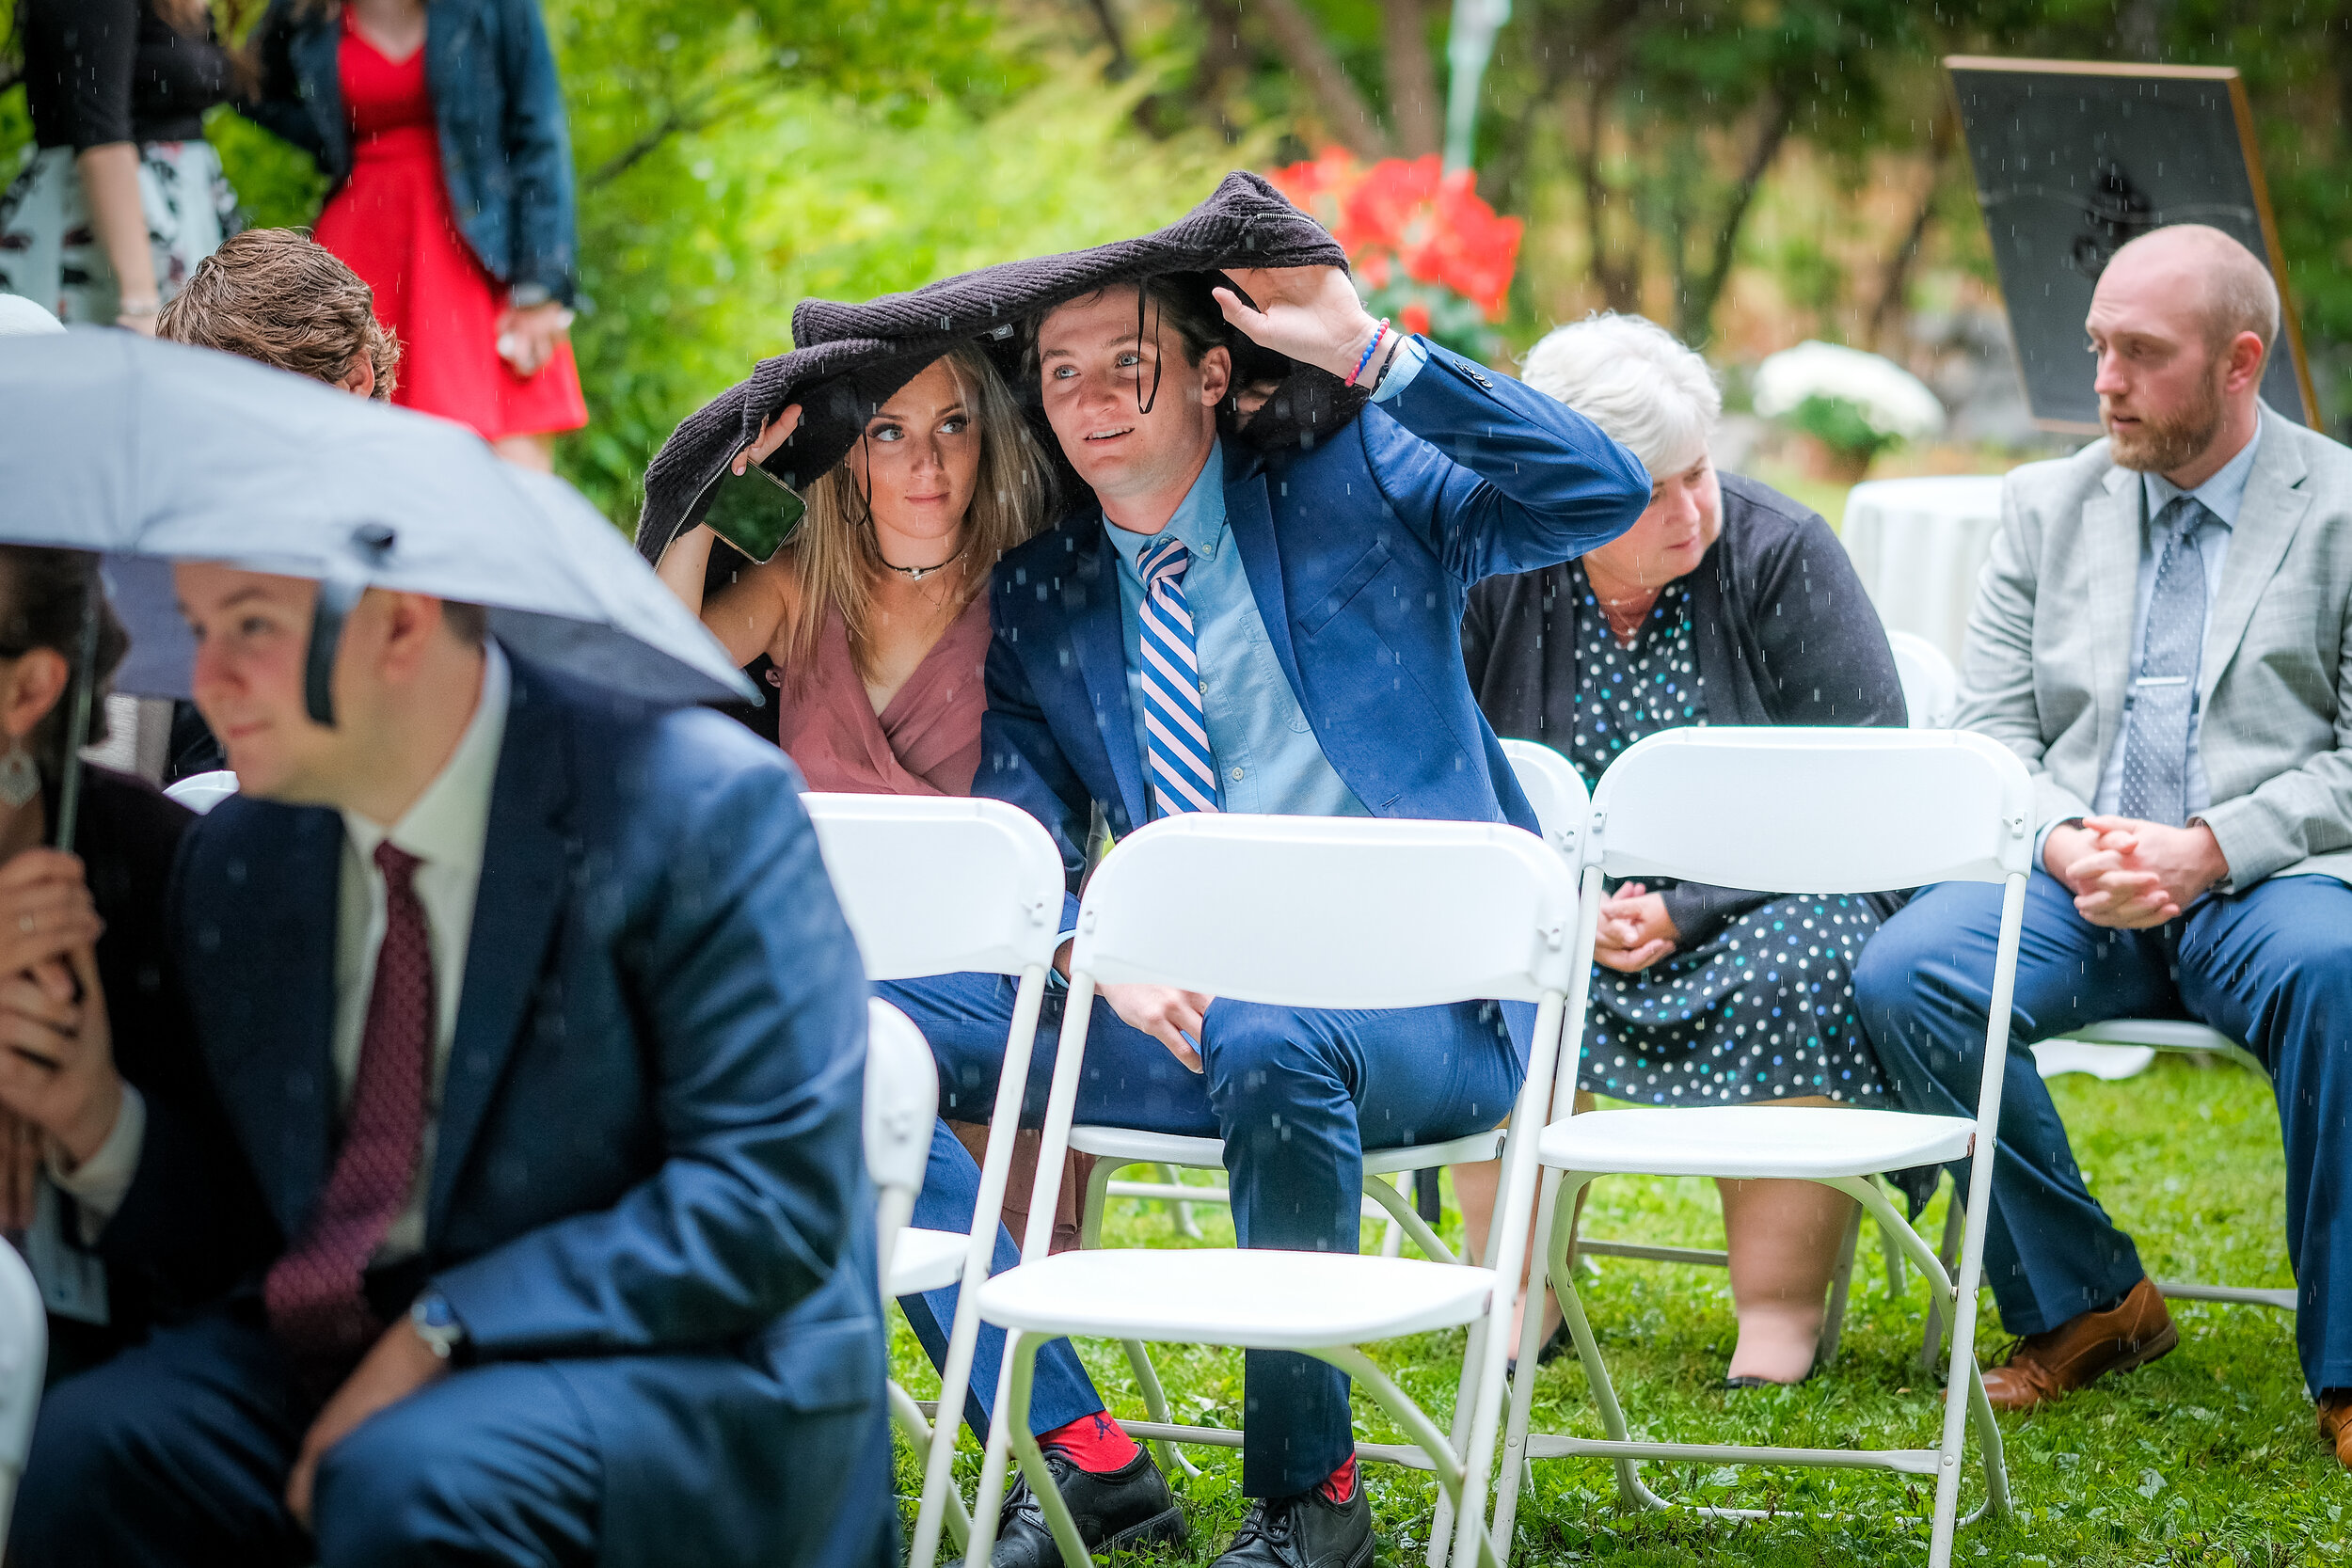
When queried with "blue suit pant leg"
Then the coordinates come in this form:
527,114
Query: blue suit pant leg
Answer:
495,1465
2272,967
1924,986
171,1454
1061,1392
1130,1080
1300,1094
177,1452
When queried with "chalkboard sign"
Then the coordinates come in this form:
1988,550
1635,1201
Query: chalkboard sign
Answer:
2074,160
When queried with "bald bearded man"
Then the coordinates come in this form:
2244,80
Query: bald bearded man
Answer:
2162,636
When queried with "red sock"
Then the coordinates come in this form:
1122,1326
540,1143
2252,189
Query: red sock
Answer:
1095,1443
1340,1486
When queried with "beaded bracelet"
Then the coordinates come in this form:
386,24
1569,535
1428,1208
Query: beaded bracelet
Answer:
1370,349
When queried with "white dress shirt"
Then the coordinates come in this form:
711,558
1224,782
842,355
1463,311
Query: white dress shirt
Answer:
445,828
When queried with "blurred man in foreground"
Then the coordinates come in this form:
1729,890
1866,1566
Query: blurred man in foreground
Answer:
534,1047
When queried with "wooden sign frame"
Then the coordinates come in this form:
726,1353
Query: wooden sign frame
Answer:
2290,328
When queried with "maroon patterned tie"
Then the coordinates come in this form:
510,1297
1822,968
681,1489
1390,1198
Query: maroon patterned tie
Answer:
313,1293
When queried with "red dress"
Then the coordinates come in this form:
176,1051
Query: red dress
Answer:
392,223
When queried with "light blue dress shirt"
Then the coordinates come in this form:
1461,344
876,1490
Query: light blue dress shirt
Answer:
2222,495
1266,755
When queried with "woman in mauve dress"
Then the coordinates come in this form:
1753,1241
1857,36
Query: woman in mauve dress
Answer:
875,613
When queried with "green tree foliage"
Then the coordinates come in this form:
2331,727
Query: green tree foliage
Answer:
1652,124
726,178
735,155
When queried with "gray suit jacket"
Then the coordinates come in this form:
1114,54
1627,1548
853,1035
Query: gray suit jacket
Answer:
2048,651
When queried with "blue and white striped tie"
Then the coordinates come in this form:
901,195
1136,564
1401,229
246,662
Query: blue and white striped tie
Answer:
1183,771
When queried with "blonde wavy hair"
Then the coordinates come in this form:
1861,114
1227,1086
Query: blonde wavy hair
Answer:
834,552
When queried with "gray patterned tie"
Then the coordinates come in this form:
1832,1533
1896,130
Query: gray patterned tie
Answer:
2163,687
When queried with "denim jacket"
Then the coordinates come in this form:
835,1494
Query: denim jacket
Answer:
505,153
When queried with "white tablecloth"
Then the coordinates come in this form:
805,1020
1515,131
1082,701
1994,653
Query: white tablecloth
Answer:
1919,546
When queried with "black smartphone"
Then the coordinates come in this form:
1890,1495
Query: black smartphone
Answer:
754,512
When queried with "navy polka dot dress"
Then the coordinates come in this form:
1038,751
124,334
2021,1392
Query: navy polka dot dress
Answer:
1764,1008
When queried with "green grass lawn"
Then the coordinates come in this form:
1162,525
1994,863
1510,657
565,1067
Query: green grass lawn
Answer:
2209,1456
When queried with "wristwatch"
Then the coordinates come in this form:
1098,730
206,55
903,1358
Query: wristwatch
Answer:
436,1322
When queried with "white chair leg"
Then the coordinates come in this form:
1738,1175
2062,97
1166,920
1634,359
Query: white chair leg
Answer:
1417,1425
1946,1252
1401,1214
1097,1199
1391,1234
908,1417
995,1459
1988,1442
1172,1457
1892,1251
1155,1405
1185,1224
1442,1522
1512,1472
1021,1359
1840,1286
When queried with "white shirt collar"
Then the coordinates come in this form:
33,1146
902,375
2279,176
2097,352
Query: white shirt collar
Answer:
447,824
2222,495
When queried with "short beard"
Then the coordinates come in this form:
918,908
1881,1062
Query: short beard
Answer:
2160,446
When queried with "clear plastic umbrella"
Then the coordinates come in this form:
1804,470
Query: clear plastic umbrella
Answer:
112,443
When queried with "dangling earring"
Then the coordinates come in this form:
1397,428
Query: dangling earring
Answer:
20,780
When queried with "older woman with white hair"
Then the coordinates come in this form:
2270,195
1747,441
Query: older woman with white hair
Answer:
1726,603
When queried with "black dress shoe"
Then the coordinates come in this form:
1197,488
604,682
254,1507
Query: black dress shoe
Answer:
1118,1508
1305,1531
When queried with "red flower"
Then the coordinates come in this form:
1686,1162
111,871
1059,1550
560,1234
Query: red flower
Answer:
1413,318
1317,188
1409,212
1465,246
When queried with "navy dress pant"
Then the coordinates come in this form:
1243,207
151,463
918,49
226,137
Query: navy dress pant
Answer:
1297,1095
175,1453
2270,967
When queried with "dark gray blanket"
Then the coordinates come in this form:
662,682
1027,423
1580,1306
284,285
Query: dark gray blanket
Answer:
852,357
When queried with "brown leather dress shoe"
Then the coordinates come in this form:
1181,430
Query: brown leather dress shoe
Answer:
2335,1424
2082,1350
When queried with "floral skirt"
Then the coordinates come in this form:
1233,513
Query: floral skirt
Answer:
1762,1010
49,250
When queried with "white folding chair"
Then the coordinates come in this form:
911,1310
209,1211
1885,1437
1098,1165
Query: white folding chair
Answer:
1556,790
24,1360
946,886
1802,811
1931,685
1116,1148
901,1104
1302,911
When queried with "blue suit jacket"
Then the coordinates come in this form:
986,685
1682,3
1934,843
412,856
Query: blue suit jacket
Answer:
1361,552
649,1149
